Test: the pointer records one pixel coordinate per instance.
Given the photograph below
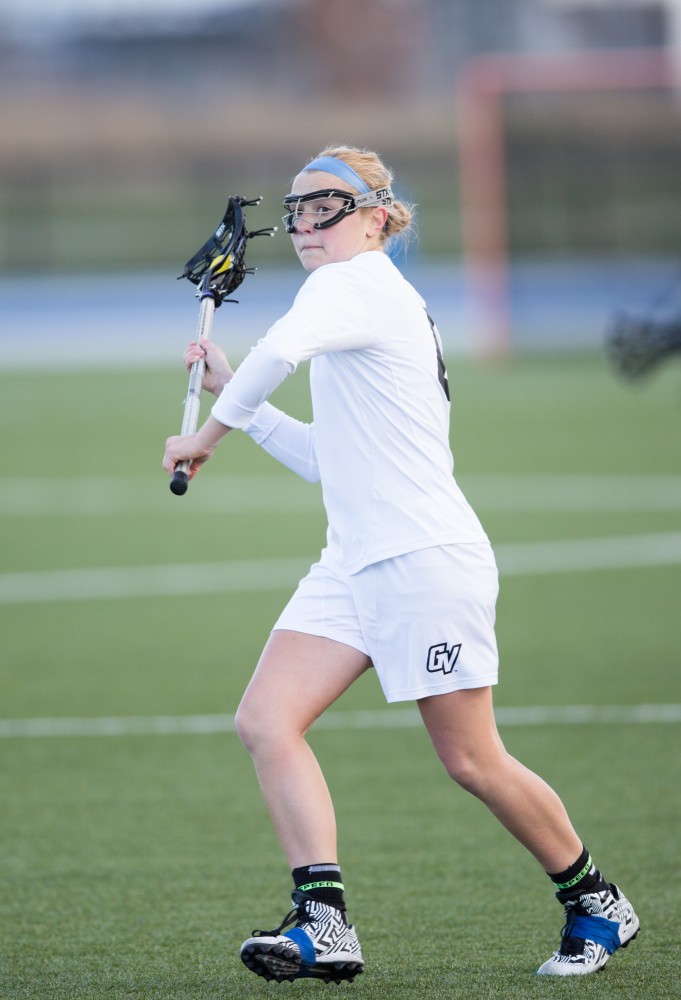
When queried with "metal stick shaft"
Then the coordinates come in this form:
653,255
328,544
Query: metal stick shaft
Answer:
192,403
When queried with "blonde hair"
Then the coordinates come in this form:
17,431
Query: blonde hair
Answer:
372,170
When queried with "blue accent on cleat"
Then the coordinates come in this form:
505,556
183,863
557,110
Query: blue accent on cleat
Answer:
299,937
598,929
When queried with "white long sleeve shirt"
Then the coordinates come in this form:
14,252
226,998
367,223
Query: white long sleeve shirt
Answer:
379,440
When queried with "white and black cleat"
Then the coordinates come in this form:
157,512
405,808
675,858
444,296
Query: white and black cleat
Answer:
596,925
320,945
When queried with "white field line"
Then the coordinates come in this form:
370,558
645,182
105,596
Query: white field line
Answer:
260,575
101,496
574,492
404,718
123,582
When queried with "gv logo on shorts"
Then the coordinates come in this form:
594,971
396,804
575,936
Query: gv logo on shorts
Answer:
442,658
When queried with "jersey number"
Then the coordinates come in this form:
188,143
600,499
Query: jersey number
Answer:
441,370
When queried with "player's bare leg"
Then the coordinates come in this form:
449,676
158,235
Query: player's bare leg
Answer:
297,678
598,917
463,730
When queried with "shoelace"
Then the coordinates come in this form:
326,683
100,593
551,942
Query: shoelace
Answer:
568,944
294,916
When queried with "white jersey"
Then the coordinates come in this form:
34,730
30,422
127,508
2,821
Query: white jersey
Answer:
379,440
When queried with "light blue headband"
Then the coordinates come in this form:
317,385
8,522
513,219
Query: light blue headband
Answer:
339,168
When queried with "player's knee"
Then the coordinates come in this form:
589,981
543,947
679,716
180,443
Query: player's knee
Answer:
258,730
465,774
466,770
248,727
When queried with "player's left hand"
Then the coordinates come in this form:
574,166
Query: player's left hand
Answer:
218,369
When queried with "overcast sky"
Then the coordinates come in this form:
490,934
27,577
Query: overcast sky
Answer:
65,8
49,14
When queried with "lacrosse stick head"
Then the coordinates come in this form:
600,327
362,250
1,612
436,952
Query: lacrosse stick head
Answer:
218,267
636,345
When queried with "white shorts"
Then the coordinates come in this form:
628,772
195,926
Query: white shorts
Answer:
426,618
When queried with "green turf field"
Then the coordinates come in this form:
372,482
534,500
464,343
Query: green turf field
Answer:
134,864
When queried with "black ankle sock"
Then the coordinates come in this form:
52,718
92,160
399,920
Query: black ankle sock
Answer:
581,877
323,882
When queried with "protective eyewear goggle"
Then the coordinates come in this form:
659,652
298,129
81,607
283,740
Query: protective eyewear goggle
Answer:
321,209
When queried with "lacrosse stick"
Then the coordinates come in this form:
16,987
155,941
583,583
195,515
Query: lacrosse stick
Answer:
218,269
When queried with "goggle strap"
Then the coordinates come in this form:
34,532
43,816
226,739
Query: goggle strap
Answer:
381,196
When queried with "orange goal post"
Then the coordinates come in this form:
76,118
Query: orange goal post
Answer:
484,84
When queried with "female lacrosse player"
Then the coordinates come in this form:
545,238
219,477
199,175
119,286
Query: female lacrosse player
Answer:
407,582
